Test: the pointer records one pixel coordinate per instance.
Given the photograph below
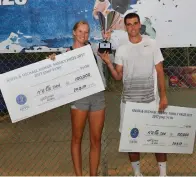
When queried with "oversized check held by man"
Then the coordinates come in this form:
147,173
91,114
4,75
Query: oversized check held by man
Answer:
146,130
48,84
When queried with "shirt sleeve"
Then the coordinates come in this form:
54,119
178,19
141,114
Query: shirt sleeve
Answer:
119,56
158,57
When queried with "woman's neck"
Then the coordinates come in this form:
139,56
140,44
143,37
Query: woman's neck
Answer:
77,45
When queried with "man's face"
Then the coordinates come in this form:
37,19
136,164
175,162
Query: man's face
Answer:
133,27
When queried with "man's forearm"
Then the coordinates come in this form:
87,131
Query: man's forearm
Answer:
161,82
114,73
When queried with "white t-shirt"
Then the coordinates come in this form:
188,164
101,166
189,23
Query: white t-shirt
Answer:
139,74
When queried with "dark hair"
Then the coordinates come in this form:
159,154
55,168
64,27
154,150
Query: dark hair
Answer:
131,15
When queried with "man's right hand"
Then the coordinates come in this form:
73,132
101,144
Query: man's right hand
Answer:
105,57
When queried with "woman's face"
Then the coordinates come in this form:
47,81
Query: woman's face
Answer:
81,34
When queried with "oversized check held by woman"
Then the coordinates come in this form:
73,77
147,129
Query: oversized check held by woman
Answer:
48,84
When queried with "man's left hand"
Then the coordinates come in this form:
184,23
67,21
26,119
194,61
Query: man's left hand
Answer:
163,104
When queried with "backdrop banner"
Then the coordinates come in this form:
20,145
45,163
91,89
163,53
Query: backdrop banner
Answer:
46,25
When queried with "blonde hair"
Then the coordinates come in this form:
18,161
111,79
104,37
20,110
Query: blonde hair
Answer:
81,23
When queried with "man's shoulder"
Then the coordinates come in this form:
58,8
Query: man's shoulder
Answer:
149,40
123,46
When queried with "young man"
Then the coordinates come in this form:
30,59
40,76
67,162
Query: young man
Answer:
139,64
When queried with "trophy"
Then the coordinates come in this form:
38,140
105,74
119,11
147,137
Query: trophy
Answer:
121,6
106,24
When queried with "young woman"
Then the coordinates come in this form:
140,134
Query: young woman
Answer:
91,108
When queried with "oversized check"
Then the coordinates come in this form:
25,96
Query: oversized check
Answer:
48,84
146,130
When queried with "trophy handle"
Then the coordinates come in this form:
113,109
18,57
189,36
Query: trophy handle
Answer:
104,45
112,19
102,21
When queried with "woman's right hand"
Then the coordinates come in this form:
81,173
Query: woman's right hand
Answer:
52,56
